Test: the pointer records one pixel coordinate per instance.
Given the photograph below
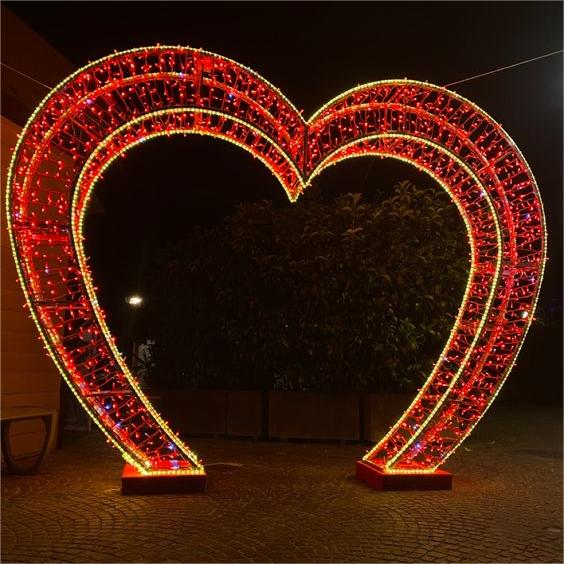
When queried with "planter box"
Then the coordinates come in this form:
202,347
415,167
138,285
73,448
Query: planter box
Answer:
195,412
244,413
211,412
292,415
381,411
311,415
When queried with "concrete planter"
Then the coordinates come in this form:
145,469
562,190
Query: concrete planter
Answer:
291,415
196,412
381,411
211,412
311,415
244,413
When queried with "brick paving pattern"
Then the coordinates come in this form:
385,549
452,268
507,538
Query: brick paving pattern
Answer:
295,502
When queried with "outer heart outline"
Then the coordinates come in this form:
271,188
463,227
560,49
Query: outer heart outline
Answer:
445,411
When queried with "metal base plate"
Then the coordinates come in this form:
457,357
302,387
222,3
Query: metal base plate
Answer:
134,483
386,481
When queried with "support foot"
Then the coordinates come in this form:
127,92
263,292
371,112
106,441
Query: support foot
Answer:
134,483
389,481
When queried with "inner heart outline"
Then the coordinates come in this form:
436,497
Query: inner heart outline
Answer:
421,429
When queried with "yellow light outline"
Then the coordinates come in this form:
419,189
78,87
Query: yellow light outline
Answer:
487,307
77,220
48,341
78,237
52,339
534,185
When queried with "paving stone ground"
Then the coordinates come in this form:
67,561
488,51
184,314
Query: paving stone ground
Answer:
295,502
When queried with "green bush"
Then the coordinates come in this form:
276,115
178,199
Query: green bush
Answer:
334,296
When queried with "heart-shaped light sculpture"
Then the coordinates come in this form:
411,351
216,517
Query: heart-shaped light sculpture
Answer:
100,111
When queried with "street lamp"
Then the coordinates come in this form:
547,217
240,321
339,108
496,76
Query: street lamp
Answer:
134,300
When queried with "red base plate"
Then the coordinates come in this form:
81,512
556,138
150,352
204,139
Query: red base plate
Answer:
133,483
385,481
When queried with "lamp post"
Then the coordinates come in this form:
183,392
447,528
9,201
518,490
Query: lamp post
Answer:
134,301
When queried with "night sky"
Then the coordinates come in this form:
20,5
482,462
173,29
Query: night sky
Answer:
313,52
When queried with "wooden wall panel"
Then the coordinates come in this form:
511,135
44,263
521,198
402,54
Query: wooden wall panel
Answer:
18,321
48,400
29,382
18,342
29,376
11,299
33,360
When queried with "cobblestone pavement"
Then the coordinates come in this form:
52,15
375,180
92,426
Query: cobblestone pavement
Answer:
293,502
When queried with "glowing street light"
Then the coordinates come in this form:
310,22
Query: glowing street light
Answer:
134,300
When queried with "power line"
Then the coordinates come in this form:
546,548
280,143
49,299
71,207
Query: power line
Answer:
27,76
472,78
503,68
444,85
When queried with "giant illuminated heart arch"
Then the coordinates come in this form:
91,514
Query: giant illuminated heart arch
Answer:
105,108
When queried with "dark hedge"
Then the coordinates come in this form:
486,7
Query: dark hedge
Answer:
325,295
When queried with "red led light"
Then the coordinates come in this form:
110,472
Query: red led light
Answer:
102,110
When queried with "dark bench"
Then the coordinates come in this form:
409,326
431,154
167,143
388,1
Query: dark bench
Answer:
23,413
